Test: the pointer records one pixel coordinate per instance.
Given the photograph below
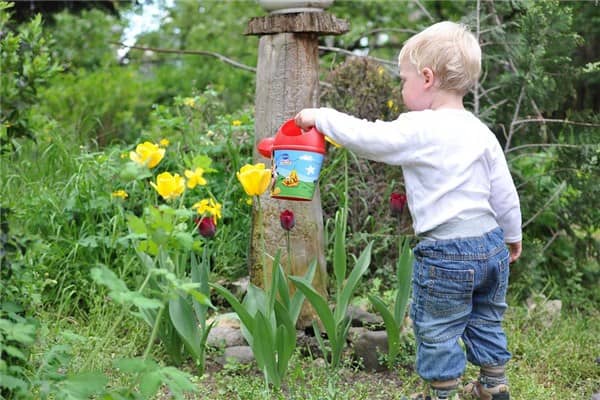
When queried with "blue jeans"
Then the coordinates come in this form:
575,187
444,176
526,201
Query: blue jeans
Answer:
459,292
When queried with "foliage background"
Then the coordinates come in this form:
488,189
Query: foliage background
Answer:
70,108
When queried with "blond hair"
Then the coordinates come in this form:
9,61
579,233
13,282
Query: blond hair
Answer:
450,50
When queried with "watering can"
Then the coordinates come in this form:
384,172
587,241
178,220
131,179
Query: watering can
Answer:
296,158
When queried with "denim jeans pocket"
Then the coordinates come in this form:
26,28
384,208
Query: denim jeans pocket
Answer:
449,291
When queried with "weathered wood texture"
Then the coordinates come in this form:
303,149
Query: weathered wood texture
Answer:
286,81
316,22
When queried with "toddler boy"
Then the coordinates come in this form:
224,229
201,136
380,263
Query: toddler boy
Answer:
463,203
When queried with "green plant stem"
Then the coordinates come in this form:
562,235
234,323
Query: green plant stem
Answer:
154,332
289,254
261,238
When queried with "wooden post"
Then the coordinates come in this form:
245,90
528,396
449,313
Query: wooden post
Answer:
287,81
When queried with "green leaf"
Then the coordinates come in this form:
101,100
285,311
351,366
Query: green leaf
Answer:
13,352
240,310
264,347
184,320
362,264
404,275
84,385
286,337
295,306
319,304
391,327
136,225
135,365
282,287
150,383
339,249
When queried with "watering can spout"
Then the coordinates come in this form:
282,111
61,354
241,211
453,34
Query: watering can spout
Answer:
265,147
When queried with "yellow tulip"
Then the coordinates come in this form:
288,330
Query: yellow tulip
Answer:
254,178
169,186
148,154
208,206
195,177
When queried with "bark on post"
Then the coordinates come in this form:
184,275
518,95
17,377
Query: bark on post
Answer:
287,80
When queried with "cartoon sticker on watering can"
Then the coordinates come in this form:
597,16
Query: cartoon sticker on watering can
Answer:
297,157
296,173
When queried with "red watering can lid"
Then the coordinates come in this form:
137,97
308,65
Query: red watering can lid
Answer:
291,137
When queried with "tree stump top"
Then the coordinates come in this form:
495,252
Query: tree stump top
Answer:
308,22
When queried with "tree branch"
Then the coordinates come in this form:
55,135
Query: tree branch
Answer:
191,52
558,191
560,121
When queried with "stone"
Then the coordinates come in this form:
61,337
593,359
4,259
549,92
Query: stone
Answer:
368,346
546,310
230,320
225,336
236,354
361,317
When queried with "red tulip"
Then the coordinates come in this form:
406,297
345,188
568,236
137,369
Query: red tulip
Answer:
287,220
397,203
206,226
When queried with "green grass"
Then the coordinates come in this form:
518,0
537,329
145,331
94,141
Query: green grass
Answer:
557,362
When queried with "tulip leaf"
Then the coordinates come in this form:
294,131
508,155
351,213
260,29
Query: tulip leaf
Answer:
298,297
319,303
243,314
184,320
391,326
361,266
403,273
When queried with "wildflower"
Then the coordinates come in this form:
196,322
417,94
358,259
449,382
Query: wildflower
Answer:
397,203
236,122
254,178
120,193
189,101
195,177
287,220
148,154
169,186
206,226
124,156
380,71
390,104
164,142
208,206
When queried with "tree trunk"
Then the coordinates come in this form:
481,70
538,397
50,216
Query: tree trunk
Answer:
287,81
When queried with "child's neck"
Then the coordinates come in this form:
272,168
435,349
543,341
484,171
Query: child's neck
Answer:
447,100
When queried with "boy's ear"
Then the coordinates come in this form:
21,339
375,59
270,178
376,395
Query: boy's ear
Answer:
428,77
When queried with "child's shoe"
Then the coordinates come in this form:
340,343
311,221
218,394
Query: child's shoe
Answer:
479,391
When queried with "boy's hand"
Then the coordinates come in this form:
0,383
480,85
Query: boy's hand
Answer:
514,250
305,119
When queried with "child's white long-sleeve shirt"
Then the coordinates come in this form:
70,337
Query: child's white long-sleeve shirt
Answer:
454,168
